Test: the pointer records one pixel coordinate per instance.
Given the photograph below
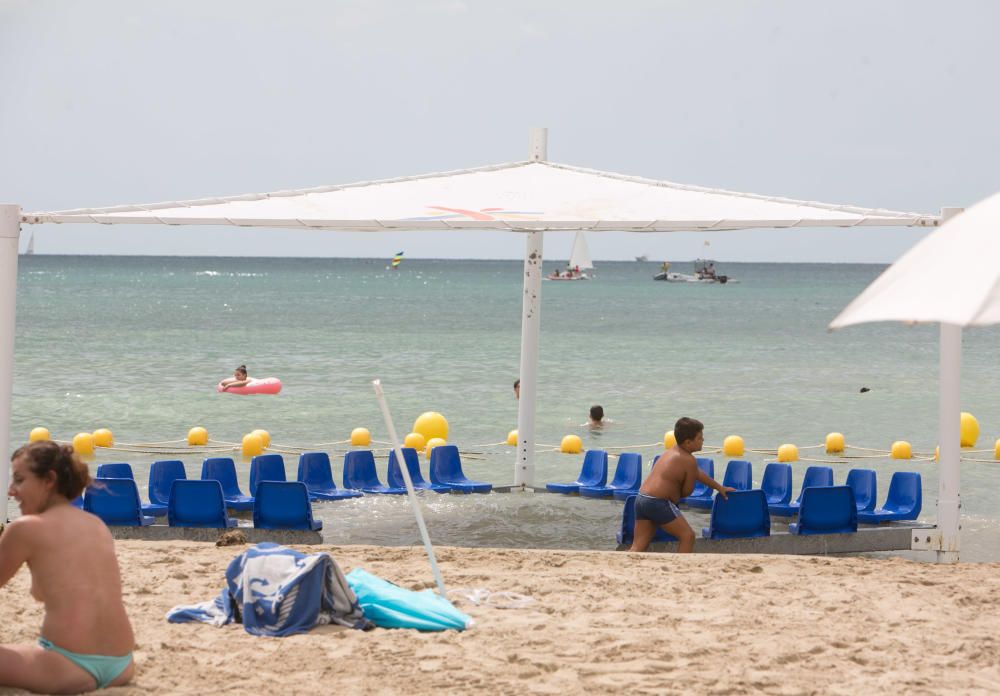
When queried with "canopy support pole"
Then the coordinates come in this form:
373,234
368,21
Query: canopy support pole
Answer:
10,232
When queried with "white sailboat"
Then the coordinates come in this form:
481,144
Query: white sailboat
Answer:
31,245
579,262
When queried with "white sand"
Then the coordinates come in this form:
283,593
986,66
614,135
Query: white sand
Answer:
604,622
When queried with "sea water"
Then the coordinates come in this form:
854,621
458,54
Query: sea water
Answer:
137,345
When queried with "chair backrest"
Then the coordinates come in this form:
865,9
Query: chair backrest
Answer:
777,483
628,473
223,470
828,510
815,477
114,500
412,459
863,483
115,470
446,464
196,503
708,466
742,514
905,494
739,475
282,505
359,470
315,471
266,467
162,475
627,532
594,471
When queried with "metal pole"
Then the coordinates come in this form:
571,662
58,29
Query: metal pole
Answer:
10,231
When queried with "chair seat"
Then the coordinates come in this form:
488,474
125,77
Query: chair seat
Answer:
623,493
154,509
563,488
877,516
784,509
702,502
383,490
597,491
241,502
333,494
469,486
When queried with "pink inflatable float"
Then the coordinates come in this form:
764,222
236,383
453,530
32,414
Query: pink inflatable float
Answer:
269,385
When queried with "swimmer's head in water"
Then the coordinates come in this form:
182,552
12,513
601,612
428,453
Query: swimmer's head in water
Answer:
241,372
596,413
48,461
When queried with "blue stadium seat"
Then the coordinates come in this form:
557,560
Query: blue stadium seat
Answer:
283,505
78,501
594,472
742,514
223,470
701,496
162,475
863,483
826,510
360,474
315,472
446,470
815,477
116,501
123,470
266,467
626,533
739,475
777,483
903,502
628,477
197,503
412,459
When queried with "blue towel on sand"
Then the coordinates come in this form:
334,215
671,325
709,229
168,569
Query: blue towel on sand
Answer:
276,591
391,606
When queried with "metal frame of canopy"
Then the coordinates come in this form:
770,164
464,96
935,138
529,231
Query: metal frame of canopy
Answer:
11,218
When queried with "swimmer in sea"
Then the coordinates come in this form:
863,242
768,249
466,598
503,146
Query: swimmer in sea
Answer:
239,379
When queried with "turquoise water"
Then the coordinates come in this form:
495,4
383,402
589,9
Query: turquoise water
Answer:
137,344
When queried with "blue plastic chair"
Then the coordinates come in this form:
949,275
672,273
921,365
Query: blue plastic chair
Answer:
198,503
826,510
123,470
742,514
777,483
412,459
315,472
446,470
628,477
162,475
626,534
903,502
223,470
863,483
116,501
701,496
266,467
739,475
815,477
360,474
594,472
78,501
283,505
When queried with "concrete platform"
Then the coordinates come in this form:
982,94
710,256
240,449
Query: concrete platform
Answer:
897,536
160,532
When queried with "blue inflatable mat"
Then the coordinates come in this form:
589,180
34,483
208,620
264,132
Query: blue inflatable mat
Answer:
390,606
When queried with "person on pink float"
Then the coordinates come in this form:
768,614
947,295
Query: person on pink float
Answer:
86,638
239,379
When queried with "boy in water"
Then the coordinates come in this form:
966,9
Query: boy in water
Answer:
672,478
596,421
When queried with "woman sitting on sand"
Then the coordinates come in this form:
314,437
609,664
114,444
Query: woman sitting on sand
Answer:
86,640
239,379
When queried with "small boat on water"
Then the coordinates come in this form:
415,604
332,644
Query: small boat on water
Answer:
704,272
579,262
643,257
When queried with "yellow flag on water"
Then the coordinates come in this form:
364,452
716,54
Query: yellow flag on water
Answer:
397,259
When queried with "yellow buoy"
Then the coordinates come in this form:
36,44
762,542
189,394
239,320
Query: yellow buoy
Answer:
834,443
512,438
38,434
103,438
360,437
669,440
197,436
265,437
937,453
996,449
431,424
83,443
416,441
788,453
732,446
571,444
969,430
432,443
901,450
252,445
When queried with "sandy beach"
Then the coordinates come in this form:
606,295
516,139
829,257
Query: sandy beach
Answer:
602,622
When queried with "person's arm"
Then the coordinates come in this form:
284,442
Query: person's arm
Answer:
14,545
712,483
239,383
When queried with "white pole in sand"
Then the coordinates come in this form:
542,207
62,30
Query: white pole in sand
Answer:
531,321
10,232
410,493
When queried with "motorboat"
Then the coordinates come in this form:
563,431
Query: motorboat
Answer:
704,272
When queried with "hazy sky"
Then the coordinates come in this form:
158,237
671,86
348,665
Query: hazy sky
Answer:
882,104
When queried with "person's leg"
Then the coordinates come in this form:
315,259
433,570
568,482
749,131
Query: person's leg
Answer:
30,667
680,528
642,535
